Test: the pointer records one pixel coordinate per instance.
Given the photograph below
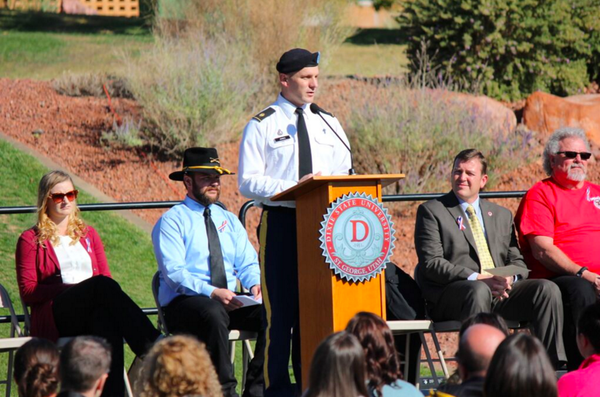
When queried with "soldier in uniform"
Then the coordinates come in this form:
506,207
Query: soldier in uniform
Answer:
283,145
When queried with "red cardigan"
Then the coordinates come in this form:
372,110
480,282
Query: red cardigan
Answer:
39,279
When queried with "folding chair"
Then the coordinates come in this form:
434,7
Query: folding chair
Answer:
234,335
409,327
16,339
61,342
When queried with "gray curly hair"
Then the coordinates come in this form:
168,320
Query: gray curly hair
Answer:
557,136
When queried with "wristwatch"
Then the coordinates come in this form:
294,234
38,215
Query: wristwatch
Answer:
580,272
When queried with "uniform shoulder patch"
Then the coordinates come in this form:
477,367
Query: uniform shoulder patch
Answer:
264,114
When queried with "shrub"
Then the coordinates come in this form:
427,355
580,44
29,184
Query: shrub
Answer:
90,84
127,134
400,128
513,46
213,63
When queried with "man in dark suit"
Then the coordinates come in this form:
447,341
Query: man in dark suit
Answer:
458,238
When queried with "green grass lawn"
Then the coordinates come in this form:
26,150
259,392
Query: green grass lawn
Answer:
42,46
371,52
368,60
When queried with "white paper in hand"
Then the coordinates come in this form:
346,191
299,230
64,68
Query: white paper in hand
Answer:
248,300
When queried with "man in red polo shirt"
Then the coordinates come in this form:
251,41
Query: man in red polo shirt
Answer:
559,229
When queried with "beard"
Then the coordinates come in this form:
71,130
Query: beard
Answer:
201,196
576,173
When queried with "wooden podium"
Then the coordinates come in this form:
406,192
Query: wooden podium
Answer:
327,302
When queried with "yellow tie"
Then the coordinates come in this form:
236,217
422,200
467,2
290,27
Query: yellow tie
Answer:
485,258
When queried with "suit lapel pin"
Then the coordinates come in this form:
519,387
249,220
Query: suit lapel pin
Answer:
489,213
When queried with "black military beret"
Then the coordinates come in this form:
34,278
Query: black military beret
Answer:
296,59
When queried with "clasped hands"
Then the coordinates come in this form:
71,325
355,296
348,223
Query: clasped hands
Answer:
498,285
227,297
594,279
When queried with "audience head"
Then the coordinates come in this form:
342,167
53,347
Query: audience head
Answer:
57,199
84,365
493,319
588,330
566,139
476,349
36,368
179,366
338,368
520,367
469,174
373,333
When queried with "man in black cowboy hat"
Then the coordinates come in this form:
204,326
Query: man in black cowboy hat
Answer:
282,145
201,249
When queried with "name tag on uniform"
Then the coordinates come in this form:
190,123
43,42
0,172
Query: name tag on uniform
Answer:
282,138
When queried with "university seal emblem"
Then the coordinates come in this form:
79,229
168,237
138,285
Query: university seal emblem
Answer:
357,237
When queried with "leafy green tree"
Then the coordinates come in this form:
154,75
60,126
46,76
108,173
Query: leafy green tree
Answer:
511,47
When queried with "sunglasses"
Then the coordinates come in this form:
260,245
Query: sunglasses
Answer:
59,197
572,155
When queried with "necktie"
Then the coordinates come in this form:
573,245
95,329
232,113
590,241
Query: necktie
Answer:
483,250
217,268
304,156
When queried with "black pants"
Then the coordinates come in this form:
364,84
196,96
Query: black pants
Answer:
535,301
208,320
404,302
279,272
98,306
577,294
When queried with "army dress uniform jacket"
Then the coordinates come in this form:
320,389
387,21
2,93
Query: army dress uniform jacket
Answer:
268,162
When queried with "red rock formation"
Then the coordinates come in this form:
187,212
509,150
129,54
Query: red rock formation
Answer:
544,113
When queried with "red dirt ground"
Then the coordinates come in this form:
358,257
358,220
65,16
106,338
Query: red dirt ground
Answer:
72,128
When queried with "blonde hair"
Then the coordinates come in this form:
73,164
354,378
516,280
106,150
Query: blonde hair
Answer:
46,228
179,366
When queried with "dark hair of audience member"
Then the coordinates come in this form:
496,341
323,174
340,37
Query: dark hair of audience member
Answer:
83,361
493,319
36,368
589,325
520,367
338,368
377,340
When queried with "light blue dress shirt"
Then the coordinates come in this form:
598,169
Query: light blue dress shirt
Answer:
399,388
181,249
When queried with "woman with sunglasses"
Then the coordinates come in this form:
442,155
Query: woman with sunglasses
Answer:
64,277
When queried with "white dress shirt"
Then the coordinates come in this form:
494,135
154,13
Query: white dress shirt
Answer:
268,162
75,262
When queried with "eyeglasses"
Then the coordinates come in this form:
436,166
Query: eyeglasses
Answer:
572,155
59,197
